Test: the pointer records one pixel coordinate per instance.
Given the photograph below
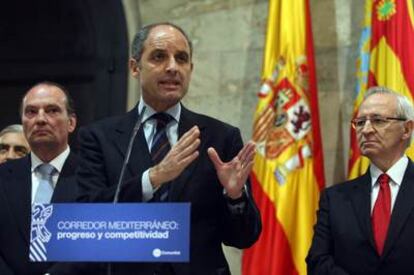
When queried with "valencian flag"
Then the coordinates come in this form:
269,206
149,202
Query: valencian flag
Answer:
288,174
386,58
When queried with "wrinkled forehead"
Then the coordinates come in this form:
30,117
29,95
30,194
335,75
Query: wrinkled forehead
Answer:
378,105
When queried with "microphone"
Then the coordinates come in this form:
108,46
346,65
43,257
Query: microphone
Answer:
121,175
128,154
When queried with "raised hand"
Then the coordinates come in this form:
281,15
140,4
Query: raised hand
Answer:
178,158
233,174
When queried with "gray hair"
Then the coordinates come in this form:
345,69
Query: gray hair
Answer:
405,108
137,47
14,128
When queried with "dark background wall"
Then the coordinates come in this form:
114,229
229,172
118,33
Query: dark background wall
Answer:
81,44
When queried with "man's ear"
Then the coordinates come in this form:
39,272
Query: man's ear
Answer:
72,123
134,67
408,129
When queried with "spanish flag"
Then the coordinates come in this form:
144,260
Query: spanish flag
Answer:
386,58
288,173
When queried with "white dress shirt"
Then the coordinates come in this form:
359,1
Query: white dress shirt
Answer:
150,126
396,174
57,162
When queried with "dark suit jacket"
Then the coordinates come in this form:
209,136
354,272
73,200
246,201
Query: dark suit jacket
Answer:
15,212
102,151
343,241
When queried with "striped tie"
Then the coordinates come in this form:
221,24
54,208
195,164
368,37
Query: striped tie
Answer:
160,144
159,149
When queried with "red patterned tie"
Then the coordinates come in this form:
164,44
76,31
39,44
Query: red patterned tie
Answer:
382,212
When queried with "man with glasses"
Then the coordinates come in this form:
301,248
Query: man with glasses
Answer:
366,225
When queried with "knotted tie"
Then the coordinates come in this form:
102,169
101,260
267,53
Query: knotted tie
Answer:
45,190
159,149
382,213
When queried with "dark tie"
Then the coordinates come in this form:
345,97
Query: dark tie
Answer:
160,143
382,212
159,149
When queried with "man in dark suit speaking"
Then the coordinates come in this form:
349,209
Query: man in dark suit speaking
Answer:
366,225
178,156
46,175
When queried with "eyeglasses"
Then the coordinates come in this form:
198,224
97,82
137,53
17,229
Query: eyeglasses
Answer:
377,122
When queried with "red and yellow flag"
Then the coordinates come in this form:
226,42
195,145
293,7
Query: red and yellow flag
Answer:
386,58
288,171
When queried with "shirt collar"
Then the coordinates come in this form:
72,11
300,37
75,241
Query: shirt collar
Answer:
57,162
396,172
174,111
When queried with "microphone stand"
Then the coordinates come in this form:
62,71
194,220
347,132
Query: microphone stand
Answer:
124,164
128,154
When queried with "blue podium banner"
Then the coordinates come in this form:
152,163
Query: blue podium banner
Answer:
104,232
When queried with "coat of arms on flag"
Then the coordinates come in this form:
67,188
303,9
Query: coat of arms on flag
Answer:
287,122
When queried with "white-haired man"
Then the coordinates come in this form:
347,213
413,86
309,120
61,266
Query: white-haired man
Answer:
365,226
13,144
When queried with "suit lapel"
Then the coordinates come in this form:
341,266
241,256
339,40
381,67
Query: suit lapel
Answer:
122,133
66,189
18,188
362,205
403,206
140,159
140,156
187,121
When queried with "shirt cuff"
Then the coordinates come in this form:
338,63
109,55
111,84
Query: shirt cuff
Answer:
147,190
